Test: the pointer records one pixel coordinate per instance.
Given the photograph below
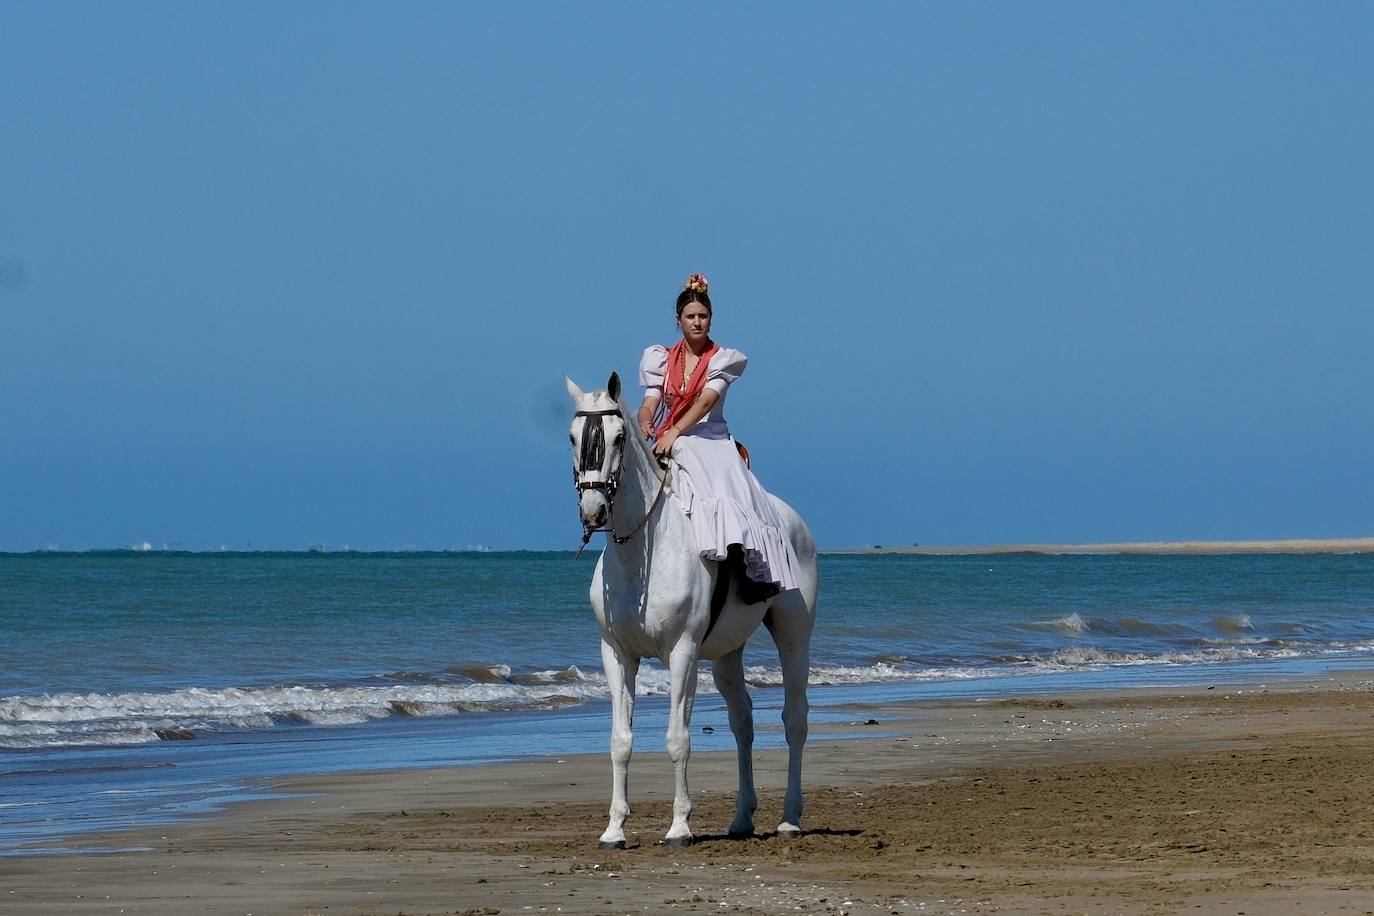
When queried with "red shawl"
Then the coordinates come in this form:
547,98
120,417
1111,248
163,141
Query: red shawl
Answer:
681,401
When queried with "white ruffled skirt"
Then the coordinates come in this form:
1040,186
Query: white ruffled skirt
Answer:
727,505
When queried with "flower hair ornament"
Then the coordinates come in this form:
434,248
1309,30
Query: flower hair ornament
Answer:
696,283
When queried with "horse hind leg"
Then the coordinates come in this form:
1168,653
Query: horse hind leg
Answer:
728,671
790,622
620,676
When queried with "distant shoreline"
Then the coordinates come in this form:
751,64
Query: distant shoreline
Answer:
1293,545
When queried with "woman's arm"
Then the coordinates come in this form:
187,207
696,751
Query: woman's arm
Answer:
646,414
700,408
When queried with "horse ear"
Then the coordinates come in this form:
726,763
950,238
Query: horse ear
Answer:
573,391
613,386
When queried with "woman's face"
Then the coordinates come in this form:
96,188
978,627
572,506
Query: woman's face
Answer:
695,322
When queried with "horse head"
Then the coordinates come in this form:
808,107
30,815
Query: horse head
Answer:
598,436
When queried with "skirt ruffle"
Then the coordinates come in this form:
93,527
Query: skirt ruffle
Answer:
768,553
727,505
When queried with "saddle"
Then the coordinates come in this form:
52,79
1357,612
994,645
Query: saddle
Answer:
739,447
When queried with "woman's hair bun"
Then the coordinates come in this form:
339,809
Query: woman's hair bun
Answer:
694,290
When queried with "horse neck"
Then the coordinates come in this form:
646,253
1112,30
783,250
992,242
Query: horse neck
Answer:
640,480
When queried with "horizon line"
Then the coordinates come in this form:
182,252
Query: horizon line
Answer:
1282,545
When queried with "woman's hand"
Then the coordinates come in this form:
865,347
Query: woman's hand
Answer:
646,415
664,445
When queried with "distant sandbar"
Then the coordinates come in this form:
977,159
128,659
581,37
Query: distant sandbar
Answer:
1295,545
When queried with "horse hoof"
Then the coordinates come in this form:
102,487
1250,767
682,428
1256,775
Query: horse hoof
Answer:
618,844
789,832
741,834
677,841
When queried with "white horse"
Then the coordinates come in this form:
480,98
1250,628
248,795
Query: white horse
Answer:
651,592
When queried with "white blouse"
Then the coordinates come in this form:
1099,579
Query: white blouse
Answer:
725,366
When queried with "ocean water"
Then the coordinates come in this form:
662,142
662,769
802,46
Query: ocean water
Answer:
137,687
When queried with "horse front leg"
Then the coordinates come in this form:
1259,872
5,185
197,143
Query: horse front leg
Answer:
728,671
682,668
620,676
790,625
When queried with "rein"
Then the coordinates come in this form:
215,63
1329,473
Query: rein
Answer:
593,453
621,539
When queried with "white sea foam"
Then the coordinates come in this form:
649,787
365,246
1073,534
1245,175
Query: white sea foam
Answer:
20,737
1070,624
63,719
880,673
86,719
99,719
1087,657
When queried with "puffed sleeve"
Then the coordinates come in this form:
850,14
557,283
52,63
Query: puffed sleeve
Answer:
653,365
726,365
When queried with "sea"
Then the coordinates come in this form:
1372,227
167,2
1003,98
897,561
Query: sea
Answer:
142,687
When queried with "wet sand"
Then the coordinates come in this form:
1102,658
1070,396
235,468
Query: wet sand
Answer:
1254,800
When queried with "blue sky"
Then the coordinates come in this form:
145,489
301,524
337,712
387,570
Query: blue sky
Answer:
284,274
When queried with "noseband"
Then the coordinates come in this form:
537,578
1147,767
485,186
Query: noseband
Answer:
591,457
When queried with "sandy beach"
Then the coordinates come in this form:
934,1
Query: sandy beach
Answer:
1231,799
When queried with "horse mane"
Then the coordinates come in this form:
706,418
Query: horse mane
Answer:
635,440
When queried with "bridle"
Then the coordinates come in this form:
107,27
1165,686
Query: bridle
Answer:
591,457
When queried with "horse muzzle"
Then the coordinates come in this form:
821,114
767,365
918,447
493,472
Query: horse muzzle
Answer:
595,509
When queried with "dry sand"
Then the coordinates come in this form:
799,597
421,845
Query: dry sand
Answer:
1229,800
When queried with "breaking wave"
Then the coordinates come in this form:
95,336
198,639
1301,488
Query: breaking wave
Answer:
1076,625
1068,625
84,719
1086,657
74,719
102,719
1238,623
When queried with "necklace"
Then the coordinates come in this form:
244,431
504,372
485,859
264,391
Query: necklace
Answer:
689,365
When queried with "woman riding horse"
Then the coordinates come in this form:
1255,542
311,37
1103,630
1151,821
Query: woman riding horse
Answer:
653,594
683,411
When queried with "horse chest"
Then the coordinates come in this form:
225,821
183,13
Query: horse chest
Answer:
646,622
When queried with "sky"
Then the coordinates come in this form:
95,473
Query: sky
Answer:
275,275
